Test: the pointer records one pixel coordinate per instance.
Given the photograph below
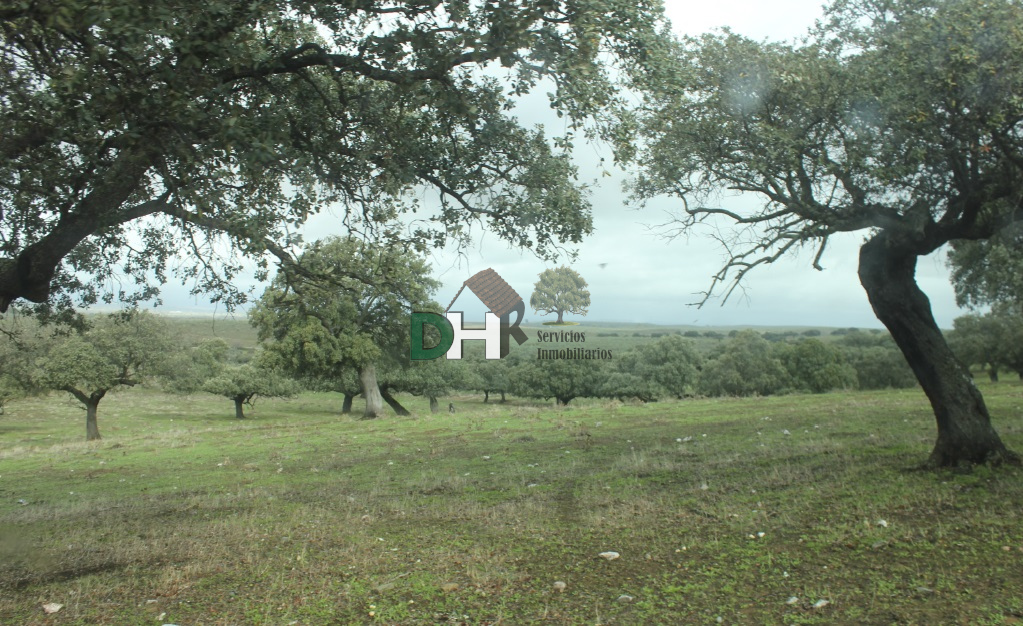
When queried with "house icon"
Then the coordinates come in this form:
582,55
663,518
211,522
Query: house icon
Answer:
499,297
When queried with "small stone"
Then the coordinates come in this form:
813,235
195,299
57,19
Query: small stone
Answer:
792,600
704,487
820,604
52,607
559,586
924,590
882,523
610,555
449,587
625,598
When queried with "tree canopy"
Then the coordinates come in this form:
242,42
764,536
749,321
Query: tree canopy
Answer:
141,139
560,290
901,118
244,382
324,331
989,272
119,349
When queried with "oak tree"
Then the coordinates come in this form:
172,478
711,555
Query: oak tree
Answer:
118,350
357,322
899,118
560,290
143,139
243,383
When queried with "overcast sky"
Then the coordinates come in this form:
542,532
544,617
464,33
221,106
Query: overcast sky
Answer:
650,279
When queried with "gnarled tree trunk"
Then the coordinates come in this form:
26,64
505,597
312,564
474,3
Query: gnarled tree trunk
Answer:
434,405
392,402
346,406
239,411
91,403
887,273
371,391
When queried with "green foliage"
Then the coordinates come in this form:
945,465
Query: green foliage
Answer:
561,379
186,370
19,350
989,272
817,367
119,349
491,375
245,382
433,378
133,132
745,366
993,340
899,118
324,333
671,364
560,290
621,384
879,367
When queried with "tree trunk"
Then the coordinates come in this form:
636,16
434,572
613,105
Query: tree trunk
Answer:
91,427
434,406
992,374
502,397
561,316
486,396
238,411
346,406
371,391
887,273
391,402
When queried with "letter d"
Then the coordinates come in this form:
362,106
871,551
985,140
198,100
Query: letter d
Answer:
418,323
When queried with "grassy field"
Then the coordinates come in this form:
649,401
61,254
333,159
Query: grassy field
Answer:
782,510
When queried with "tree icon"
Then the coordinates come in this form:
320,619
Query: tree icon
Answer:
558,290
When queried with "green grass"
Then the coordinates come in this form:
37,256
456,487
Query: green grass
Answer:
184,515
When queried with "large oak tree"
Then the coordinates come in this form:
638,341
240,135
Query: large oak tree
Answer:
117,350
324,331
898,118
142,138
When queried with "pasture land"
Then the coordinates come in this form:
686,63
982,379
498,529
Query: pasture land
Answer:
184,515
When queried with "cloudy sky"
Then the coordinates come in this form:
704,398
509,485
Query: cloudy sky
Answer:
650,279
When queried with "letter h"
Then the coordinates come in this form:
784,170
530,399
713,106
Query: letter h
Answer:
491,334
